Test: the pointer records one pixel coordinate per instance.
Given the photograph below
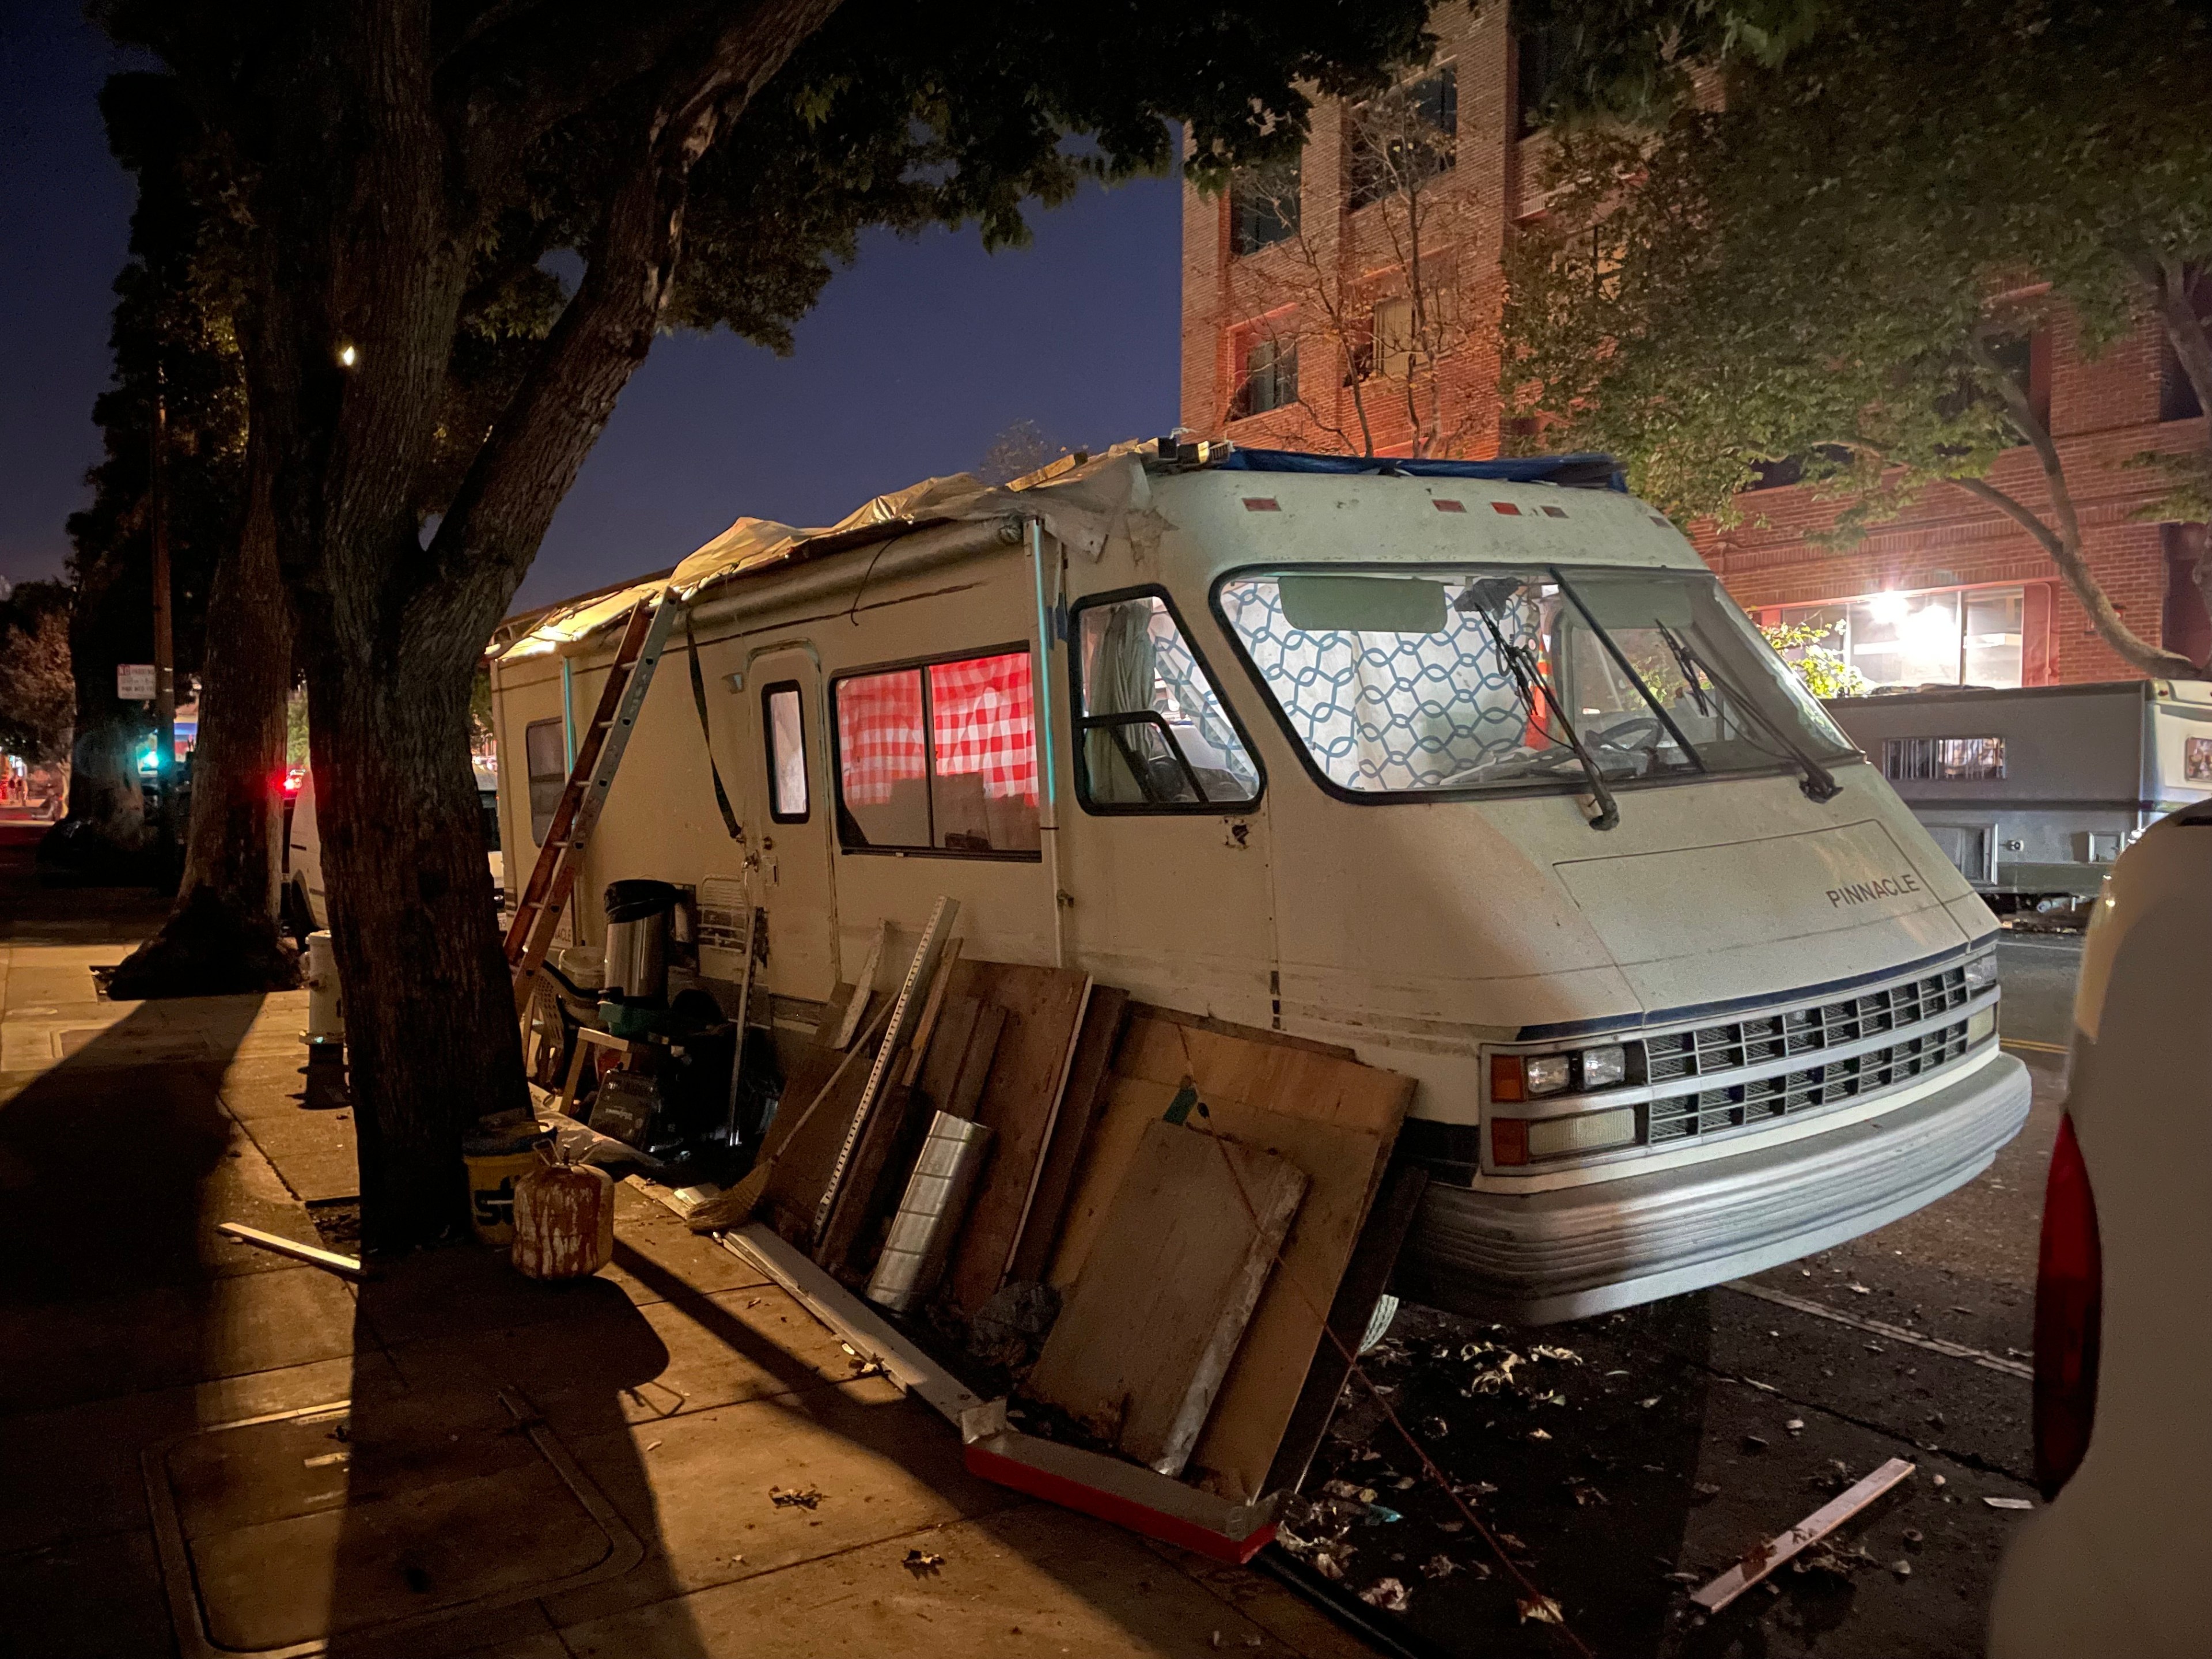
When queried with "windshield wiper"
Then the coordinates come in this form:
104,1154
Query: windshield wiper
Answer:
1819,783
1529,675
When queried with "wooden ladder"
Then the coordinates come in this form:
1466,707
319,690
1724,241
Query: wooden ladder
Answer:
598,752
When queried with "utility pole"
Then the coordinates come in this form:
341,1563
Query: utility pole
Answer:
165,657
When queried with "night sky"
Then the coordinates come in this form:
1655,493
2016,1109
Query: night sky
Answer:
915,358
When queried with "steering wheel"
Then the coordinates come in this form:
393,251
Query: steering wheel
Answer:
1627,734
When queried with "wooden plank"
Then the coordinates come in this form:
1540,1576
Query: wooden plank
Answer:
1389,1218
1079,1108
864,988
1140,1349
1763,1558
980,1054
926,1029
948,1047
345,1266
1131,1105
1044,1009
906,1011
861,1200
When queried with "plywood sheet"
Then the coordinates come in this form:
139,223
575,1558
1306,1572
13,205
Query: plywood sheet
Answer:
1335,1118
1141,1348
948,1046
1043,1007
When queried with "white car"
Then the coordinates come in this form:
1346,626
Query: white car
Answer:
2120,1561
305,908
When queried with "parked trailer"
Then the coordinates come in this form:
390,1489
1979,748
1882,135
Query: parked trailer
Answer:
1264,737
2032,793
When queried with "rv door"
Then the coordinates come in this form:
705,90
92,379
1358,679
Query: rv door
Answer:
790,796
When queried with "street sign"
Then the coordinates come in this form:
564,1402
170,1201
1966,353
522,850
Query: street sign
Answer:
134,682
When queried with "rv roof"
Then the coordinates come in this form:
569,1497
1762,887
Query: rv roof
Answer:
1584,470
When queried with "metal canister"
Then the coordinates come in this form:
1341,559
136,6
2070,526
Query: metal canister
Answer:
930,1214
325,1011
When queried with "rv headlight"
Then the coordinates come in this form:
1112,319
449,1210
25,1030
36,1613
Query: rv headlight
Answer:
1982,970
1547,1074
1603,1068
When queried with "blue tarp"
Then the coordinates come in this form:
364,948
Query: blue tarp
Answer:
1586,470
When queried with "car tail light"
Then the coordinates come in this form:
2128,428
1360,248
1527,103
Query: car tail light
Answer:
2068,1315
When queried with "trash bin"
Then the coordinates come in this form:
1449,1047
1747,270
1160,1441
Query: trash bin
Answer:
638,912
495,1163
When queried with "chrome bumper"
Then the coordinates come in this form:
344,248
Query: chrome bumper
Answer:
1575,1251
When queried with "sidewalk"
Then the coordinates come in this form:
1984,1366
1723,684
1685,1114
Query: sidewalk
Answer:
523,1471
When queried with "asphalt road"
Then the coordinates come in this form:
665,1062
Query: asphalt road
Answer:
1623,1461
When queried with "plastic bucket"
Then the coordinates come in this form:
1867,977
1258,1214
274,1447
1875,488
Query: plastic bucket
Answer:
494,1167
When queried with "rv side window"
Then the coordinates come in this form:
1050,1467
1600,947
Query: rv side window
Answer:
545,758
786,752
939,757
1152,735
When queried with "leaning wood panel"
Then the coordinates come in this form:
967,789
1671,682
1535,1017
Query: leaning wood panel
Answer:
1080,1105
1139,1351
1043,1008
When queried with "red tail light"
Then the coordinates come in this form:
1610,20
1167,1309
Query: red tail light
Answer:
2068,1313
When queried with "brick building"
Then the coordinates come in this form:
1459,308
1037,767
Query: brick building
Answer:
1296,331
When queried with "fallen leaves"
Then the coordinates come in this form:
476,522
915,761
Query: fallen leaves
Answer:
794,1497
923,1563
1388,1593
1540,1610
2008,1502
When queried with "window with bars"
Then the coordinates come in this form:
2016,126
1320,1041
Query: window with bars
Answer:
939,757
1962,760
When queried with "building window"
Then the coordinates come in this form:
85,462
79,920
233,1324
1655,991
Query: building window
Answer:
1263,205
939,757
1268,378
1942,760
1152,735
1400,140
782,720
1944,636
545,753
2177,397
1540,55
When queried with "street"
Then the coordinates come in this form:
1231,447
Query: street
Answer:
1624,1461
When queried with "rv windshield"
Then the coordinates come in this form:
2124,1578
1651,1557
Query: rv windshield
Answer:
1393,681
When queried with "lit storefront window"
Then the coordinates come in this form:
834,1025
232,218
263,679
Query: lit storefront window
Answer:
1945,637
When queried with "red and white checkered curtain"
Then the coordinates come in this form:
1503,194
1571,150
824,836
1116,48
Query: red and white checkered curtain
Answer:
981,711
880,734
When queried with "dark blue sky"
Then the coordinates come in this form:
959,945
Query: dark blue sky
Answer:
915,358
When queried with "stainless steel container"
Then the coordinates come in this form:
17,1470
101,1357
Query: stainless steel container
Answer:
929,1215
637,939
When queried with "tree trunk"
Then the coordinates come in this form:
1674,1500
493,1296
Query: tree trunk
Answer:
103,836
432,1040
223,936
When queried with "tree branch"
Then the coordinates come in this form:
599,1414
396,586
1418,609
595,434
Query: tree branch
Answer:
508,498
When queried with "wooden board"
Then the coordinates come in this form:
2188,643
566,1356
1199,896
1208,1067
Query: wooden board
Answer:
977,1060
948,1046
841,1034
859,1203
810,1070
1140,1349
1044,1007
1333,1117
1389,1218
1080,1105
804,1163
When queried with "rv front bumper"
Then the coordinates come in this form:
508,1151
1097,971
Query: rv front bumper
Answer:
1575,1251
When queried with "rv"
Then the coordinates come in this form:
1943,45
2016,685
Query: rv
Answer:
1471,768
2032,793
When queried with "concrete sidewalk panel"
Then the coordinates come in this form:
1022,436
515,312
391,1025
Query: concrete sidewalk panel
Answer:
75,1471
698,1487
95,1598
1036,1581
155,1338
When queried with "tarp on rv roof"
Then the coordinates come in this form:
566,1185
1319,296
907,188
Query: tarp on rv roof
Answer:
1081,503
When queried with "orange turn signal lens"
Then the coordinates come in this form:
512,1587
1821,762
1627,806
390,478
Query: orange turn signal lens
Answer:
1508,1140
1505,1081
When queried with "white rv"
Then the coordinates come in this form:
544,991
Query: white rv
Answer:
1470,768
